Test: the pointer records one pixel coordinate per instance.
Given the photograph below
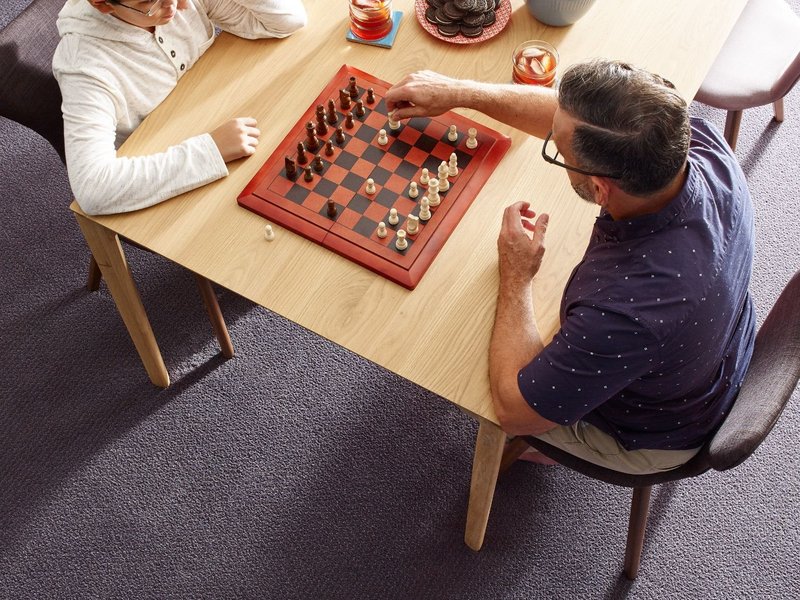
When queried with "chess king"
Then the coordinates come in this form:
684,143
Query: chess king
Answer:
657,325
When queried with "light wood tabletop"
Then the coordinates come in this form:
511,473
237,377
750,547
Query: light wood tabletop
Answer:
438,334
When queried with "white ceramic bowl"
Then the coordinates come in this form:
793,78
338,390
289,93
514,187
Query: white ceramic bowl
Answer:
558,12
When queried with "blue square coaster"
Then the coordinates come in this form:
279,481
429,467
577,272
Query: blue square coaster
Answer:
384,42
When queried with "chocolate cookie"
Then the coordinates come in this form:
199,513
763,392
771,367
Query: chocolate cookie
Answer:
472,19
430,15
436,3
489,17
452,11
465,5
449,29
468,31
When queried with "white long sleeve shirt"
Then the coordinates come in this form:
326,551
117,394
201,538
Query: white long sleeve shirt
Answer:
113,74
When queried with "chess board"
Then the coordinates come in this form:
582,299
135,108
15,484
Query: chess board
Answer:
302,206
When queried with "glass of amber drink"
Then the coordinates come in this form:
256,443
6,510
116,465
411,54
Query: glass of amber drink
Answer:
370,19
535,63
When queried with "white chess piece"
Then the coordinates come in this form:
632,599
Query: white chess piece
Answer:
452,167
381,231
452,135
401,241
425,177
370,189
413,191
393,125
424,209
383,139
433,192
393,218
412,224
268,233
444,172
472,140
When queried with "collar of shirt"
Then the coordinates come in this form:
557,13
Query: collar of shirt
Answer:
608,230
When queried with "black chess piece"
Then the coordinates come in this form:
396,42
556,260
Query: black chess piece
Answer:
332,208
322,127
301,154
344,100
348,121
318,164
339,135
333,118
360,110
352,88
291,168
329,148
370,96
312,143
307,174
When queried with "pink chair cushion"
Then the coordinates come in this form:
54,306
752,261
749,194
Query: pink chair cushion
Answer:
760,61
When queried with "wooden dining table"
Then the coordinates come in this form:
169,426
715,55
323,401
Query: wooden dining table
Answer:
436,335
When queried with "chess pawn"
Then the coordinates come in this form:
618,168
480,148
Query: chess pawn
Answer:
370,96
383,139
452,167
452,134
349,123
360,110
332,210
329,148
401,241
370,188
424,209
444,171
268,233
412,224
381,231
318,164
394,219
339,135
413,192
425,177
472,139
433,192
307,174
393,125
352,88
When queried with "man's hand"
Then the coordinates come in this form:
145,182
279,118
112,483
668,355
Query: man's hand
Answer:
236,138
520,256
425,94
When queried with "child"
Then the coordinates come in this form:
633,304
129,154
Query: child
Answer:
117,60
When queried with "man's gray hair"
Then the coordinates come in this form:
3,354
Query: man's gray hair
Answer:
632,123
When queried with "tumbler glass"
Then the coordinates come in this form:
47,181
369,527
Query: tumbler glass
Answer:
534,62
370,19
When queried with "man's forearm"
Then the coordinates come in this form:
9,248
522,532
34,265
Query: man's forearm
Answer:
527,108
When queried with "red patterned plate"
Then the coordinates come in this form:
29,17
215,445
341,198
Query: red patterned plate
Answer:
502,16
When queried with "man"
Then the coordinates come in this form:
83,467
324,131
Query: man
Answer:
657,325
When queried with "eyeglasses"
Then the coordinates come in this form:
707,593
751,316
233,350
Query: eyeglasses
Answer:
153,5
553,160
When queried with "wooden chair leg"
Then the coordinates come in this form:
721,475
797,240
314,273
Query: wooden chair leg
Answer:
94,277
732,122
778,106
512,452
215,315
640,506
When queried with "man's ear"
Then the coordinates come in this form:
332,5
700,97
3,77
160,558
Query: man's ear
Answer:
602,190
101,5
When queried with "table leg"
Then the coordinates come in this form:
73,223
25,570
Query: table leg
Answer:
485,468
108,253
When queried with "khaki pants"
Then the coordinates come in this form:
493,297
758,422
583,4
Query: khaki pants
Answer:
591,444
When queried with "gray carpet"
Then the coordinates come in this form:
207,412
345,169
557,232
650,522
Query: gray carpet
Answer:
298,470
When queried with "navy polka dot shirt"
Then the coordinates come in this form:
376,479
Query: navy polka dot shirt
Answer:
657,325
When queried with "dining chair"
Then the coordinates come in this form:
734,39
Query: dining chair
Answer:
29,95
768,385
758,64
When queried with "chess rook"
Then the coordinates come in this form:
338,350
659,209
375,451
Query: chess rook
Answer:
291,168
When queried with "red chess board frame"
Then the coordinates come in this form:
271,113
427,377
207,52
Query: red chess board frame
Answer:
301,206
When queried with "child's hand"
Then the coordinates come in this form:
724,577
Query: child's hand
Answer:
236,138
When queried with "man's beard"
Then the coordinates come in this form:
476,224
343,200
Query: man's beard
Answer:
584,191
